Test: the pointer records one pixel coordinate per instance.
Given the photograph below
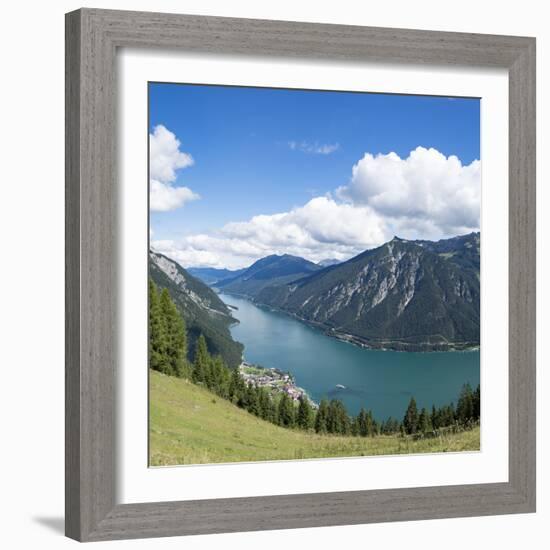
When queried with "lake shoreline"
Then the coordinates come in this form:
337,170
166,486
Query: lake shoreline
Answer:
357,376
275,380
396,346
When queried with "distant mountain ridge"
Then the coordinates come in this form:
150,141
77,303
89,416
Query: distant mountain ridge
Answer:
200,306
405,295
211,275
327,262
271,270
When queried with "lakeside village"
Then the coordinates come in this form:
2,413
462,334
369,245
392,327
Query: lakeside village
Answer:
274,380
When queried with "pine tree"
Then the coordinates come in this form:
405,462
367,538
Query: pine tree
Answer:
176,337
270,408
157,336
218,376
362,426
371,424
435,418
321,417
304,418
263,404
252,401
332,417
390,426
477,403
337,419
446,416
424,422
355,426
286,411
236,386
410,422
201,362
465,405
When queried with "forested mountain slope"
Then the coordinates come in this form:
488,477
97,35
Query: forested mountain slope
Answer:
199,305
271,270
409,295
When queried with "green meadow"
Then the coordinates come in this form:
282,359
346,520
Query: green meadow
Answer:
191,425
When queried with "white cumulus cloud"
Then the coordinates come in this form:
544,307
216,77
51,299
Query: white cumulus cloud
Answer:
165,159
425,191
424,196
165,155
321,228
164,197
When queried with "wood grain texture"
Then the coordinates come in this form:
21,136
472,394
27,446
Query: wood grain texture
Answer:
72,277
522,275
92,38
91,289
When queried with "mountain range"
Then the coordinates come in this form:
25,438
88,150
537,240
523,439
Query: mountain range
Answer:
410,295
269,271
211,275
405,295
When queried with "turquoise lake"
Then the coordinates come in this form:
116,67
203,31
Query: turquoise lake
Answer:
383,381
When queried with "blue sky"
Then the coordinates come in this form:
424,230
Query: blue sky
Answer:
268,151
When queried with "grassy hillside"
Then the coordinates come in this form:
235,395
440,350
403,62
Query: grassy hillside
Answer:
190,425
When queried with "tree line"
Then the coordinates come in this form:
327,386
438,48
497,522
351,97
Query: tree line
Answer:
168,354
466,414
167,334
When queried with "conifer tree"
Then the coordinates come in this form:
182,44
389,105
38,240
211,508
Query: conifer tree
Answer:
286,411
371,425
263,404
451,414
337,419
157,336
465,405
176,337
332,417
218,376
304,418
321,417
410,422
434,418
355,426
201,362
362,423
446,416
252,401
270,409
477,403
424,422
236,386
390,426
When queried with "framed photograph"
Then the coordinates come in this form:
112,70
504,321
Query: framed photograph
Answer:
300,275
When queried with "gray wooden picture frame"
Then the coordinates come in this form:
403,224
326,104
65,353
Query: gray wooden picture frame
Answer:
92,39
